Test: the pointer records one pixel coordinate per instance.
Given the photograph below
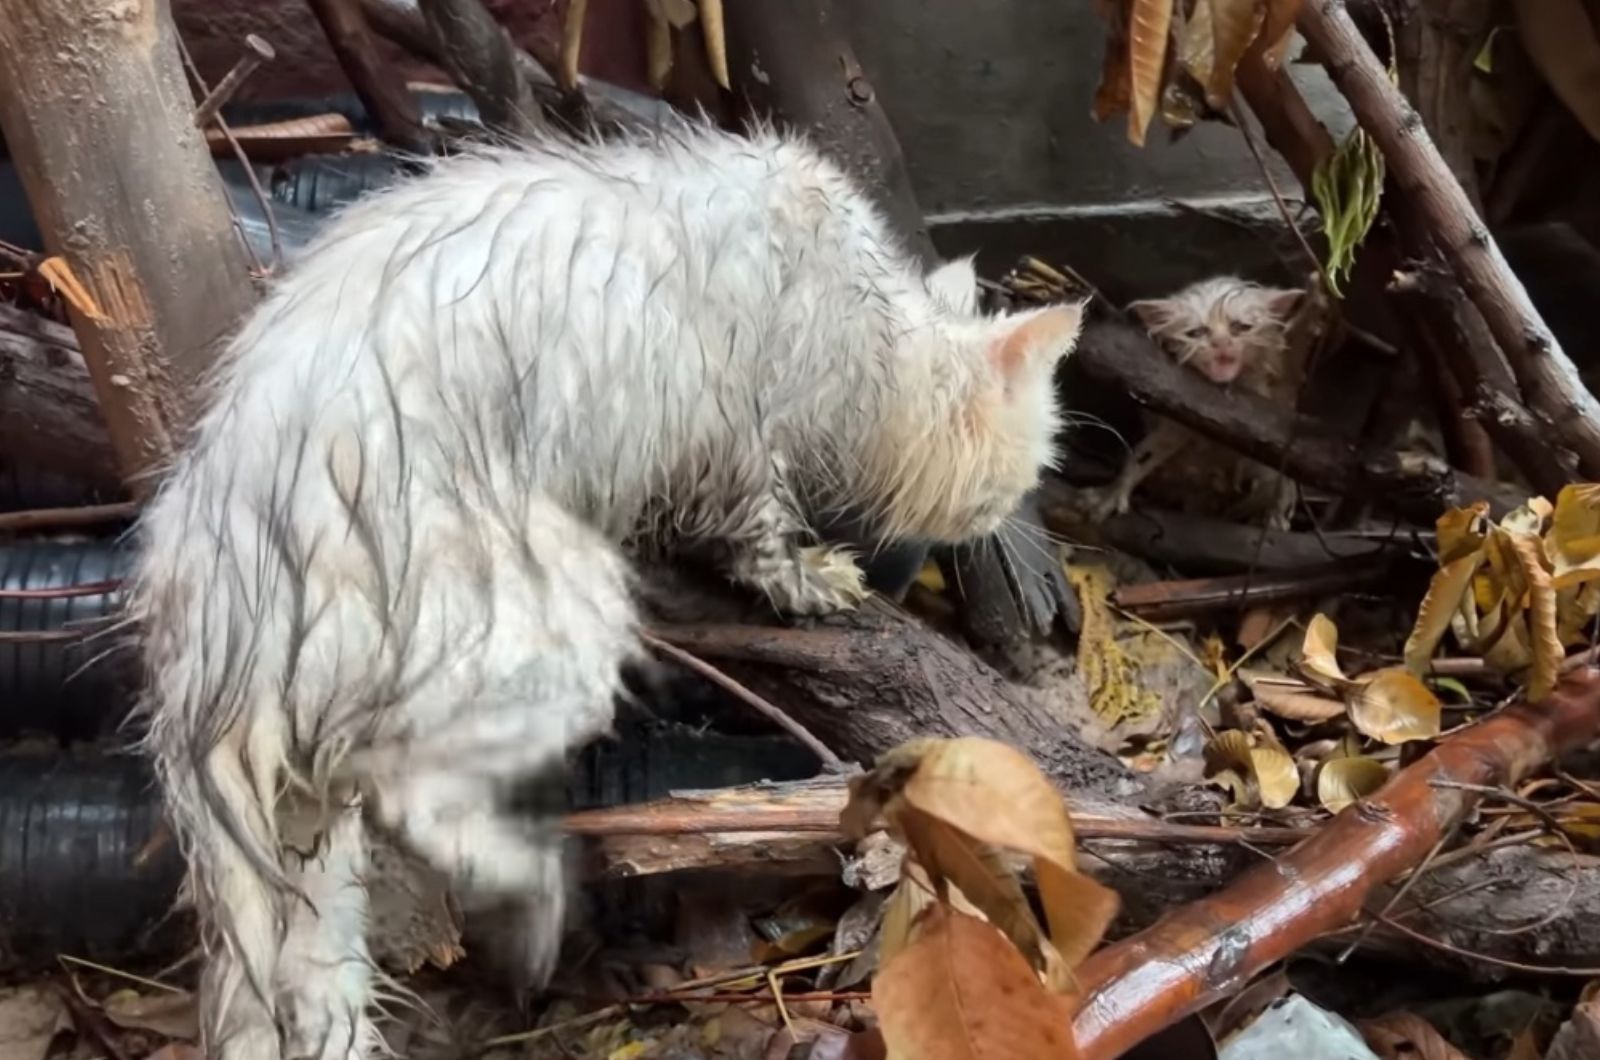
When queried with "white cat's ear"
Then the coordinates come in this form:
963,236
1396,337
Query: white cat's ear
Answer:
1282,304
955,283
1036,339
1152,313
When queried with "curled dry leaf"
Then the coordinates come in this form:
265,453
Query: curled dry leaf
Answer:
1235,24
1545,636
1439,605
1342,781
1149,26
1197,49
1462,531
1318,653
1268,773
658,49
1111,96
959,991
1291,698
997,795
1393,706
1278,30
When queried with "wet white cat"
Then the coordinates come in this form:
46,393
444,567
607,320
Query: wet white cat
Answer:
384,580
1236,334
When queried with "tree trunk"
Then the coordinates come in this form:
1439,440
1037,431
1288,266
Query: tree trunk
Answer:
100,121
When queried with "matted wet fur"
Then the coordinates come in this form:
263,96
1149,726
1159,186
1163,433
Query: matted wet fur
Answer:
385,579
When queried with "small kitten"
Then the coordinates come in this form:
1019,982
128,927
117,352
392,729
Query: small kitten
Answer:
1236,334
384,580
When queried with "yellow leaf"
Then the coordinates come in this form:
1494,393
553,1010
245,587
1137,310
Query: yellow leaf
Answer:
931,578
1235,24
1545,639
1392,706
996,794
1267,773
1318,653
1576,606
912,896
1342,781
631,1051
1529,518
1290,698
961,991
1439,605
1461,531
1573,543
1149,24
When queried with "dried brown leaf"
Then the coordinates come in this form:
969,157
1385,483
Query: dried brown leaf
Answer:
1573,543
961,992
1319,651
1267,773
1393,706
572,43
711,23
1112,95
1149,26
1440,604
1234,26
1342,781
1291,698
996,794
1405,1036
30,1019
1197,43
1560,38
1545,636
1461,531
1278,30
982,878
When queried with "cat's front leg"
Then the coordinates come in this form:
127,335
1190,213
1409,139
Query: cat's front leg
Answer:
767,555
1160,444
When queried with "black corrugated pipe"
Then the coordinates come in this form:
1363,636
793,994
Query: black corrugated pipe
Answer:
60,673
86,870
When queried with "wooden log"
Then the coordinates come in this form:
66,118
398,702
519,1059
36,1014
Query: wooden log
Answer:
480,56
100,121
868,681
1311,452
1547,377
49,418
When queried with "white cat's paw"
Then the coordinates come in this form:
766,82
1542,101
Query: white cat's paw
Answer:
825,581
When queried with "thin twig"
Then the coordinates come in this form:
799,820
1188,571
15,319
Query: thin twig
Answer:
1501,962
1277,195
832,762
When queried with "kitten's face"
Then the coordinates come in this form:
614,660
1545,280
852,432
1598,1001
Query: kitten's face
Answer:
1220,327
977,419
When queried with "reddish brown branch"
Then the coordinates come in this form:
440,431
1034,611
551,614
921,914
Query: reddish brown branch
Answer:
1547,377
1166,600
1197,954
66,518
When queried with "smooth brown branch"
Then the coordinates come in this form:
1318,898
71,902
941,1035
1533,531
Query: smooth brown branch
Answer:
1166,600
1547,377
1202,951
37,519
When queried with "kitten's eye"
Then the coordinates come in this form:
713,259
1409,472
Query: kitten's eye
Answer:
1238,327
1195,333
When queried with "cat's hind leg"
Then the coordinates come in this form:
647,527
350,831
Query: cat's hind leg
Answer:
324,974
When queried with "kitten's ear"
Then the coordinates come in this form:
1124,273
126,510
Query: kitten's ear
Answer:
1152,313
955,283
1283,304
1035,339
